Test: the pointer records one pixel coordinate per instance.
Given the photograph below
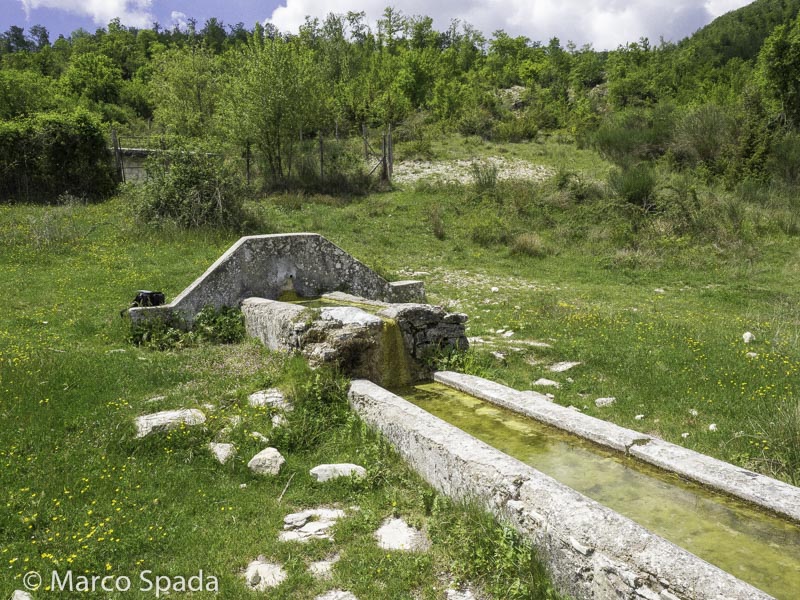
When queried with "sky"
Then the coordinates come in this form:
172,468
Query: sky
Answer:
605,24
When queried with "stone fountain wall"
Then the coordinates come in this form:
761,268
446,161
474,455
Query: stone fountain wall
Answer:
388,344
267,266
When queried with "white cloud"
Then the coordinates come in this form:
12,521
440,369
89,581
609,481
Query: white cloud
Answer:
135,13
604,23
179,19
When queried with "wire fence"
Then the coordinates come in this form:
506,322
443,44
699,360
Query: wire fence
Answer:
369,152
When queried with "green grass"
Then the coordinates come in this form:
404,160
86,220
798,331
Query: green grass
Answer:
72,471
79,492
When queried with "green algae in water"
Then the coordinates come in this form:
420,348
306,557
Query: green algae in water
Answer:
757,547
395,362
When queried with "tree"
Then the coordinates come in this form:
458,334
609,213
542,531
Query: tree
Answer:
779,63
185,87
275,96
93,76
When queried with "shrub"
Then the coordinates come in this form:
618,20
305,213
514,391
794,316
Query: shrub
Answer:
784,159
490,231
437,224
484,176
530,244
192,189
635,185
219,326
224,325
633,135
50,154
703,137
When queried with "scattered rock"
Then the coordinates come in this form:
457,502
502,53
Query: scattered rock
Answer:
508,334
222,452
396,534
465,594
279,421
752,355
712,427
748,337
639,417
660,291
603,402
257,435
495,290
242,486
261,575
272,397
168,419
336,595
546,383
685,435
550,397
267,462
155,399
323,569
334,471
563,366
311,524
499,356
693,412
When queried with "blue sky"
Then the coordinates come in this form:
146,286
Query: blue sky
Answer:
604,23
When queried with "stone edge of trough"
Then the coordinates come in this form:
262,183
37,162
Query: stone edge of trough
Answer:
776,496
592,551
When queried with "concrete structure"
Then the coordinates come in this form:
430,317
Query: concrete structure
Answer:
388,347
592,551
266,266
776,496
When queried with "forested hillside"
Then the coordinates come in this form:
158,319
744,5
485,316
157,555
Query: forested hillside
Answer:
723,104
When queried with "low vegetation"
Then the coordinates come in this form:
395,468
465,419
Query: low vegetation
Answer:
661,227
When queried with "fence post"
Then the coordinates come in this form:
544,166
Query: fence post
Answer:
247,161
321,158
384,160
118,155
391,153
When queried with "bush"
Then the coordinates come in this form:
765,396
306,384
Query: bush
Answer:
530,244
51,154
784,160
224,325
192,189
635,185
484,177
703,137
490,232
634,135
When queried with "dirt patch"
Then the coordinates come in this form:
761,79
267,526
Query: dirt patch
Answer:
460,171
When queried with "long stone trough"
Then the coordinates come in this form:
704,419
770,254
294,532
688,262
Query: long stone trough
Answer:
591,550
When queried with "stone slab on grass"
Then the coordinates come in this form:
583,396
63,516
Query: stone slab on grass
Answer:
261,575
336,595
267,462
311,524
328,472
396,534
222,452
272,397
168,419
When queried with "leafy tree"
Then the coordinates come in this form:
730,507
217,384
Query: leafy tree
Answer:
23,93
185,86
779,61
275,96
93,76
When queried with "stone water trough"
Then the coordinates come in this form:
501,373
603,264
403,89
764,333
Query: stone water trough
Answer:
301,293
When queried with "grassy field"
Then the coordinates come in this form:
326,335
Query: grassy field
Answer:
652,306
